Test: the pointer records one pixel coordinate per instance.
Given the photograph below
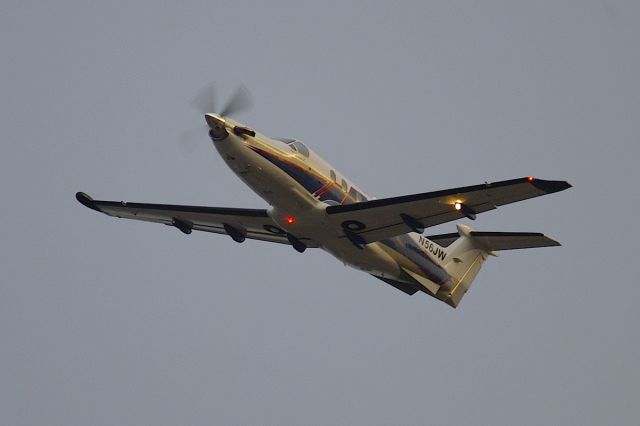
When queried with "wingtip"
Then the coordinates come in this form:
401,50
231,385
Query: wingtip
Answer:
87,201
550,186
554,243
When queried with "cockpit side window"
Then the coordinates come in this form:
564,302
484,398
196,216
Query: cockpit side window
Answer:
302,149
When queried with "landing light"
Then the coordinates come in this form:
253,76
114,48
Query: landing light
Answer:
458,205
290,219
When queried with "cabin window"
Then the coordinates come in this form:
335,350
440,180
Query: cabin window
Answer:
333,176
345,186
356,195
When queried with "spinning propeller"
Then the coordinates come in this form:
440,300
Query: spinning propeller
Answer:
205,103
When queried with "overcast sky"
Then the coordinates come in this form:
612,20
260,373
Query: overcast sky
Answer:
114,322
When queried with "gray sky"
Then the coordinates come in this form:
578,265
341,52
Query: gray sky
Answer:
109,322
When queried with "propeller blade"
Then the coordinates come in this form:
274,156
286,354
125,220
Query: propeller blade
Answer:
240,101
204,102
190,139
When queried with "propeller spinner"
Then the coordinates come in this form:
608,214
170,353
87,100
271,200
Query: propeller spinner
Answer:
205,103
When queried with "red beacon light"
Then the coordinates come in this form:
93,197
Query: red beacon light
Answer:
290,219
531,178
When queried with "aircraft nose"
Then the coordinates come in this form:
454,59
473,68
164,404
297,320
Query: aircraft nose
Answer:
217,127
214,121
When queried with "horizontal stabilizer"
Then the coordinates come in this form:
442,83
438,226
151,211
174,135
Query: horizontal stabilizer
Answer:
404,287
428,284
496,241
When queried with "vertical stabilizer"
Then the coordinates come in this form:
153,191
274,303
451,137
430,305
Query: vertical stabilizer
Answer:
463,264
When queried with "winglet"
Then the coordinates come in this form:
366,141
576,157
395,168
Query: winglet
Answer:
87,201
549,186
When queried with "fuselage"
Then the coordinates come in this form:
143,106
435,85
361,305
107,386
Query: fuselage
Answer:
299,185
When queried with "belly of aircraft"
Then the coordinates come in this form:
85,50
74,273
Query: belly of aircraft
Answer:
288,198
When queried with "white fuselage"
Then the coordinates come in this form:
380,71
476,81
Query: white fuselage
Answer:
286,177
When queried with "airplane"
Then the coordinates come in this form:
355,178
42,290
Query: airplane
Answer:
312,205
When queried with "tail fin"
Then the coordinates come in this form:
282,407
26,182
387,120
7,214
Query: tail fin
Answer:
469,251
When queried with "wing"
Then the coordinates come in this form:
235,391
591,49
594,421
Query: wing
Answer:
251,223
389,217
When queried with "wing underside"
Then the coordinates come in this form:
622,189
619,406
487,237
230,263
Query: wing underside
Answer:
377,220
252,223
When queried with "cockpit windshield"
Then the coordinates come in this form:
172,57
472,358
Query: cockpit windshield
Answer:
296,146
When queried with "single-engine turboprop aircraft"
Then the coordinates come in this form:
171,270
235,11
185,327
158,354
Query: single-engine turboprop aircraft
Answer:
313,205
